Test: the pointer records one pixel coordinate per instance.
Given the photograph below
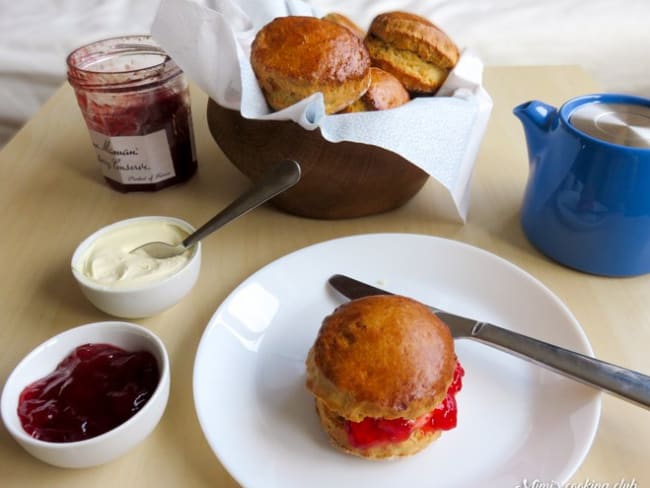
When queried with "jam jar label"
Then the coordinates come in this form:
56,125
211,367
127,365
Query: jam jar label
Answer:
134,160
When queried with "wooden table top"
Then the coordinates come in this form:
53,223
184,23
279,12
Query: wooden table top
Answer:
52,196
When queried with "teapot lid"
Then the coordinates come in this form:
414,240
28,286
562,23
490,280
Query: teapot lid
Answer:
617,123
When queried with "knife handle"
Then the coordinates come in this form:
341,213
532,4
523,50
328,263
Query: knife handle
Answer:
628,384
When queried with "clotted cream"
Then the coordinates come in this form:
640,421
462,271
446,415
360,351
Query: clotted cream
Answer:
109,262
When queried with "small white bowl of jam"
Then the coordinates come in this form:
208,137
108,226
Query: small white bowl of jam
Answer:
87,395
135,285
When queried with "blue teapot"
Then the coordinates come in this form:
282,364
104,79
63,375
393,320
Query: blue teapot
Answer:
587,200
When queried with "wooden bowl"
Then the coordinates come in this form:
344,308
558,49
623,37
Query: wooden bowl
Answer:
339,180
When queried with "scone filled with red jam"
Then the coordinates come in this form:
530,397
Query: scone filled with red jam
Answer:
384,375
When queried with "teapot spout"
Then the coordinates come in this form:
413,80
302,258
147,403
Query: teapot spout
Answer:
538,119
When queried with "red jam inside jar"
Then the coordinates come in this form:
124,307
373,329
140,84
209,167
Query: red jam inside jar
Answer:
135,101
372,432
92,390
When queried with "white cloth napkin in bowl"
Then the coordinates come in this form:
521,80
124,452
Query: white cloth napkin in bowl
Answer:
210,40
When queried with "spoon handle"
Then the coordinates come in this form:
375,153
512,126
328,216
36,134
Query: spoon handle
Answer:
275,180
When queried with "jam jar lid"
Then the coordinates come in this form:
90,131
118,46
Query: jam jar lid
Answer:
119,63
624,124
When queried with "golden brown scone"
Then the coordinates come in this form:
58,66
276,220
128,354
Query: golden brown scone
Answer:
383,372
381,356
345,22
412,48
385,92
294,57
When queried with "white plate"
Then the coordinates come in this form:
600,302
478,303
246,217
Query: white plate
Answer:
516,421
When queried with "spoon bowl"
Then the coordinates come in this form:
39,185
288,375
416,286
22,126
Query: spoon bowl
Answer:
278,178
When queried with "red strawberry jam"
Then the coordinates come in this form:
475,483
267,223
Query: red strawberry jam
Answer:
93,390
375,431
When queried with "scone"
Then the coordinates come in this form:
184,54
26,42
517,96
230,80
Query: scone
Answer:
345,22
412,48
294,57
384,375
385,92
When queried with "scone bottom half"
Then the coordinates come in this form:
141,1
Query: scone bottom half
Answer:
385,92
384,375
346,22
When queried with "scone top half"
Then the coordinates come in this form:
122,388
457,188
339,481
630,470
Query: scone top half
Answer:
417,34
294,57
383,357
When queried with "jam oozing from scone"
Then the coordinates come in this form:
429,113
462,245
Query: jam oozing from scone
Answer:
94,389
371,432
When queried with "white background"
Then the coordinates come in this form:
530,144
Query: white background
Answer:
608,38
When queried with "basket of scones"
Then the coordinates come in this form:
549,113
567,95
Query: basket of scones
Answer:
360,110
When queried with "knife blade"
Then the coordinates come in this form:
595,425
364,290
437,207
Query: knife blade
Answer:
627,384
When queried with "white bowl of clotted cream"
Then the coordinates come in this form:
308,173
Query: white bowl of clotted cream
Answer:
135,285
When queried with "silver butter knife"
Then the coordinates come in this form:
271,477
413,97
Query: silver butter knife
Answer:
625,383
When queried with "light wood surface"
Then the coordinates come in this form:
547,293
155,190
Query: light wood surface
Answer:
52,196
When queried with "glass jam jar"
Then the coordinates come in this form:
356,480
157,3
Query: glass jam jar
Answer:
135,101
